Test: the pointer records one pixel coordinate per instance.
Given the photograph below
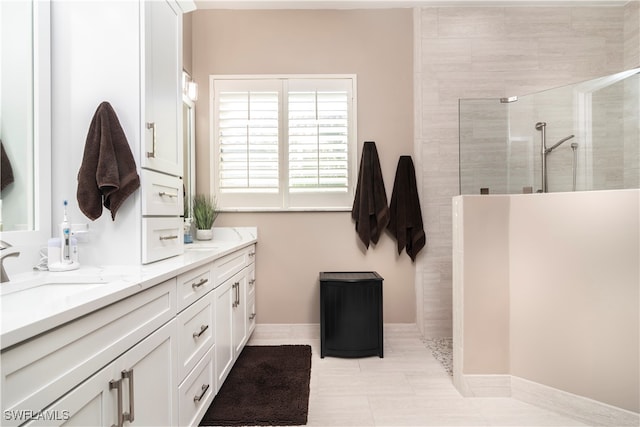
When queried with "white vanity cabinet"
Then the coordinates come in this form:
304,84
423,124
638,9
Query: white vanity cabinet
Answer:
38,372
156,357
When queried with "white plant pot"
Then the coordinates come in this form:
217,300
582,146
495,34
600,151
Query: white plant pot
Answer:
204,234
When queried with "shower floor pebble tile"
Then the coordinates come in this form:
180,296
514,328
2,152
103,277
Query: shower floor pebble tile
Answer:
410,386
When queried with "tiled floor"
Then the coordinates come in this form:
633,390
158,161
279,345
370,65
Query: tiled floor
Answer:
408,387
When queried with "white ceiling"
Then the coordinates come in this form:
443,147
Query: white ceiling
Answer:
386,4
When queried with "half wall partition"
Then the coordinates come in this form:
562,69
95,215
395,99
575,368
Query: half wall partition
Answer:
579,137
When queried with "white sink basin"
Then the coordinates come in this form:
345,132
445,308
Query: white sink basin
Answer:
50,289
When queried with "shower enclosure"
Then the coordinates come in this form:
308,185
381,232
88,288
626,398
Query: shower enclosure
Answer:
580,137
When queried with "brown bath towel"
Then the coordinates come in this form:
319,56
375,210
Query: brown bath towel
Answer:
108,173
6,170
370,210
405,222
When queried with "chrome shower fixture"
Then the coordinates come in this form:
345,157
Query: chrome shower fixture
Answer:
541,126
557,144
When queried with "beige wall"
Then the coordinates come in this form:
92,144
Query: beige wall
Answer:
294,247
486,267
573,291
476,52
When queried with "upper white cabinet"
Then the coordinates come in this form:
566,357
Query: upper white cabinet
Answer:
162,71
128,53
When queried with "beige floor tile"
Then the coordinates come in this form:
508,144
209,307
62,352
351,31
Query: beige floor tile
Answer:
408,387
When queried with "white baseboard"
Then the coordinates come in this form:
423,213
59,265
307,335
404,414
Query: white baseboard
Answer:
290,333
484,385
581,408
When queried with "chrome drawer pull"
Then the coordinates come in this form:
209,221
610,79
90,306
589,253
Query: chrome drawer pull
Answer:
152,153
200,283
129,416
205,387
164,193
118,386
253,316
252,254
203,328
172,237
252,281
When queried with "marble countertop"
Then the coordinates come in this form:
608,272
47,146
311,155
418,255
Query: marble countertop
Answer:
35,302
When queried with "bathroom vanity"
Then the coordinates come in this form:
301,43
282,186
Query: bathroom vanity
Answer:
128,345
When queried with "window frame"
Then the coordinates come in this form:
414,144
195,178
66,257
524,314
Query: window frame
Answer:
281,201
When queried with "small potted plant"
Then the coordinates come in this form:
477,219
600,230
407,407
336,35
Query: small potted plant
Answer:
204,214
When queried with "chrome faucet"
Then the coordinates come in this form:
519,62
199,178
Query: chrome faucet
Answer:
5,252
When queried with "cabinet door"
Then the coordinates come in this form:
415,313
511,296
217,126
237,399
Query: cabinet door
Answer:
149,379
92,403
162,77
147,372
239,329
224,295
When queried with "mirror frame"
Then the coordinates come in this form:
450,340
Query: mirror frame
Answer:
33,239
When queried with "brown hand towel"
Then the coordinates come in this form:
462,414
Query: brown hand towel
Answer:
6,171
108,172
405,222
370,210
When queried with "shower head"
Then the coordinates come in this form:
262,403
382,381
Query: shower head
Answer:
540,125
557,144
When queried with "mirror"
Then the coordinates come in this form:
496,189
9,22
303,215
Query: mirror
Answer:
25,121
189,174
189,96
16,115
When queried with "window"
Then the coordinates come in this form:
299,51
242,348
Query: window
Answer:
283,143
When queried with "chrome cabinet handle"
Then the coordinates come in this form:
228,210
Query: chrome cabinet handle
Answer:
253,316
203,328
198,398
233,305
200,283
252,254
171,237
129,416
237,294
117,384
252,281
152,153
164,193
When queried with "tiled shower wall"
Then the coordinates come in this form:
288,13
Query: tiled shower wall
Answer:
484,52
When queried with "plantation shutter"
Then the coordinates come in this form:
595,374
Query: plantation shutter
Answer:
318,135
283,143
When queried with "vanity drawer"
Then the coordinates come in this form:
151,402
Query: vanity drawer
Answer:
197,391
161,238
161,194
37,372
229,265
194,284
195,332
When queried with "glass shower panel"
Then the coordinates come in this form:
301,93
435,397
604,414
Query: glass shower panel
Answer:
556,108
592,139
613,140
